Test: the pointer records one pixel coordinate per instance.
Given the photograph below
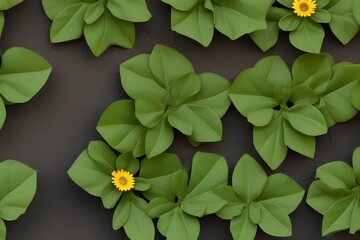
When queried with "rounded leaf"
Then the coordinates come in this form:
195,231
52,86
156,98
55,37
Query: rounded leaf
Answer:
308,36
129,10
149,111
337,175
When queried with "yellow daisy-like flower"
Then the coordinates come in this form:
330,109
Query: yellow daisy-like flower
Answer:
304,8
123,180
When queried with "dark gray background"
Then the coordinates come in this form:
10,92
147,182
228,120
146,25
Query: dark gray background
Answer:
50,131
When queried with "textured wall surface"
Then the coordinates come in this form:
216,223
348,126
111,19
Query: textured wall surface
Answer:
50,131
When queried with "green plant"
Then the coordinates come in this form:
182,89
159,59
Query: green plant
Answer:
17,190
288,108
256,200
335,194
102,22
167,94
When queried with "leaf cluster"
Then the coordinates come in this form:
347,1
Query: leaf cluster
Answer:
307,33
289,108
17,190
22,74
197,19
256,200
167,94
335,194
102,22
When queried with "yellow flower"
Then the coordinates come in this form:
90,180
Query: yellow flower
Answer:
123,180
304,8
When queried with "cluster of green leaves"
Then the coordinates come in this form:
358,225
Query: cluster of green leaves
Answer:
336,194
254,199
22,74
197,19
288,108
167,94
17,189
6,5
307,33
162,181
102,22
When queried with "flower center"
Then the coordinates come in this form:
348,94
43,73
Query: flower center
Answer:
123,180
304,7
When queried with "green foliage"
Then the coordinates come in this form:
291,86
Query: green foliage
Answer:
6,5
197,19
92,172
178,200
256,200
102,22
22,74
289,108
335,195
167,94
307,33
17,190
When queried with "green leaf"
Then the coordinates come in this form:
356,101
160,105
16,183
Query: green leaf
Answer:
197,23
308,37
181,122
129,10
248,178
178,225
307,119
181,5
121,213
7,4
159,206
298,141
17,190
2,22
261,118
2,230
355,96
121,129
343,23
338,216
141,184
206,123
2,112
22,74
274,220
356,163
266,38
337,175
127,162
321,197
138,224
286,3
289,22
213,93
337,98
242,228
167,65
321,16
251,15
356,10
313,71
138,80
92,172
255,212
303,94
354,222
269,142
54,7
185,88
108,31
159,171
208,172
149,111
158,139
179,183
233,207
69,23
93,12
283,191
